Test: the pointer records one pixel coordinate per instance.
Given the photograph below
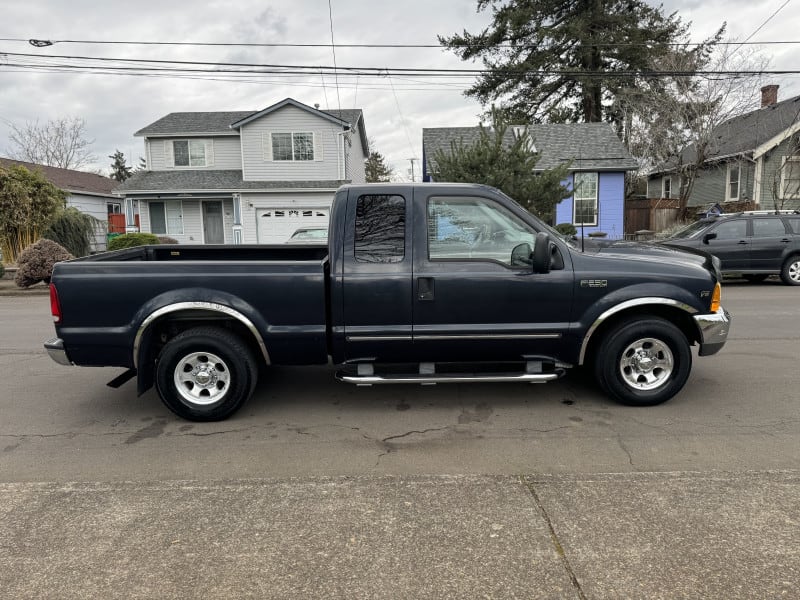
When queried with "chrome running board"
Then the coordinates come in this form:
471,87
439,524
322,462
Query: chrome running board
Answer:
425,379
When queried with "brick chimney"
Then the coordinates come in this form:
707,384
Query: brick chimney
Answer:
769,95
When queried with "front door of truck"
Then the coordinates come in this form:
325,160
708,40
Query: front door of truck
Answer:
376,285
471,301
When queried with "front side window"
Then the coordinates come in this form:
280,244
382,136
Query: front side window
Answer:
734,174
585,199
292,146
731,230
189,153
380,234
474,229
790,178
166,217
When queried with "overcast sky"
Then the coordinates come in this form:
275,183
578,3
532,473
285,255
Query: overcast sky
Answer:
395,108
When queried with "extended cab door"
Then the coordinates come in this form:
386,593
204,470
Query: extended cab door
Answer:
375,277
470,301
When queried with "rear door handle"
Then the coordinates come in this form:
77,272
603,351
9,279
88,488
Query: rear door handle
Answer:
742,242
425,288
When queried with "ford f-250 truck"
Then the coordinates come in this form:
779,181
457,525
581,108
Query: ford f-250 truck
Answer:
419,283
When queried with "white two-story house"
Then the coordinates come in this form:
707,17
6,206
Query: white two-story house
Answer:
251,177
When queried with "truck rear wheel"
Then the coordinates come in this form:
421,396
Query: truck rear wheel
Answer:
205,374
643,362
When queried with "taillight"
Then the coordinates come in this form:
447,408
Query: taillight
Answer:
55,305
716,297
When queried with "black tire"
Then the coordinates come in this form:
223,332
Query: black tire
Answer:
755,277
790,272
643,362
205,374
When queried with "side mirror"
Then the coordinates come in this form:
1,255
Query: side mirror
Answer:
709,236
541,253
522,255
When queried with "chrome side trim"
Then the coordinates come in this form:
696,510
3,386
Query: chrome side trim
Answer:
379,338
489,336
429,379
55,350
624,306
210,306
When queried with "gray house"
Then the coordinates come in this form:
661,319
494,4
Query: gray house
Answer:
247,176
597,165
755,157
89,193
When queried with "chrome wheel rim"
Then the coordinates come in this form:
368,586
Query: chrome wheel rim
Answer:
202,378
646,364
794,271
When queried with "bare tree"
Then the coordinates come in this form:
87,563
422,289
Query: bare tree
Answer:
674,122
56,143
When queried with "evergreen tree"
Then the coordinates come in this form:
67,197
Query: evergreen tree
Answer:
119,170
376,168
505,161
566,60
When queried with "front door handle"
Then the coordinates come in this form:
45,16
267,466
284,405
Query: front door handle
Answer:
425,288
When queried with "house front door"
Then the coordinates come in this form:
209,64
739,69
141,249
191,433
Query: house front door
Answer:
213,232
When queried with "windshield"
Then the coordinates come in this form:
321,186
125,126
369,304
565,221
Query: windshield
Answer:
690,231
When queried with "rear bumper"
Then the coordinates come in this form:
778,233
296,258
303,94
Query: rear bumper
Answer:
56,351
713,329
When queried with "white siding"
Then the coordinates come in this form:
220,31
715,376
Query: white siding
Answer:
97,207
192,220
356,170
284,120
226,149
251,203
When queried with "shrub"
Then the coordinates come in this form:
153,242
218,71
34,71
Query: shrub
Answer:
2,270
129,240
566,229
35,263
74,230
165,239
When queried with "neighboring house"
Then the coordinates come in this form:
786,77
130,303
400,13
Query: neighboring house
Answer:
755,157
88,192
597,165
245,177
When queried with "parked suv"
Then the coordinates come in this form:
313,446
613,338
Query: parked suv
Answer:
755,243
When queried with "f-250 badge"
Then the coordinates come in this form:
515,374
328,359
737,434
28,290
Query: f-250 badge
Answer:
594,283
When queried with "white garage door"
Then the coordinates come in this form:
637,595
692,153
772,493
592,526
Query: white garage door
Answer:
276,225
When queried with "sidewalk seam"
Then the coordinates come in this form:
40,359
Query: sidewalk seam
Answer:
554,538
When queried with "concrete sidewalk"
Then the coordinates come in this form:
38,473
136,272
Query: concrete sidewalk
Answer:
670,535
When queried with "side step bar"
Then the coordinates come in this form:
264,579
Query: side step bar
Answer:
449,378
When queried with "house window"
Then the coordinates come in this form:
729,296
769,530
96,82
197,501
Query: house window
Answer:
190,153
114,208
790,177
734,176
292,146
585,199
166,218
666,191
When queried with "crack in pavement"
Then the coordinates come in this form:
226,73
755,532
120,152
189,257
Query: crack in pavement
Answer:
406,434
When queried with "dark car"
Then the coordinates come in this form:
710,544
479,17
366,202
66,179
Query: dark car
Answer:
755,244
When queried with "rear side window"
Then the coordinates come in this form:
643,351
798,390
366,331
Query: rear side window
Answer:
380,229
794,222
768,227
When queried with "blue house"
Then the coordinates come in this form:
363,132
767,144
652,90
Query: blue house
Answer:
597,165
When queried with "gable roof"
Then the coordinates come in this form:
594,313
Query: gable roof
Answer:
587,146
746,133
76,182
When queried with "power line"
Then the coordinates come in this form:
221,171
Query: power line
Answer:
333,51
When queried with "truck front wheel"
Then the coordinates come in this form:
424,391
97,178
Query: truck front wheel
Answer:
205,374
643,362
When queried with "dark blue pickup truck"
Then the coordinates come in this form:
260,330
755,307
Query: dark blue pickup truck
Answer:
419,284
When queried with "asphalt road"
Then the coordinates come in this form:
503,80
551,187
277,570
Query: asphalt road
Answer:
317,489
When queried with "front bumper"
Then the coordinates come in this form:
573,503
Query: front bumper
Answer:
55,348
714,330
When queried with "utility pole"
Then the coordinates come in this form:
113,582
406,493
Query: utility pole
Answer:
412,169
